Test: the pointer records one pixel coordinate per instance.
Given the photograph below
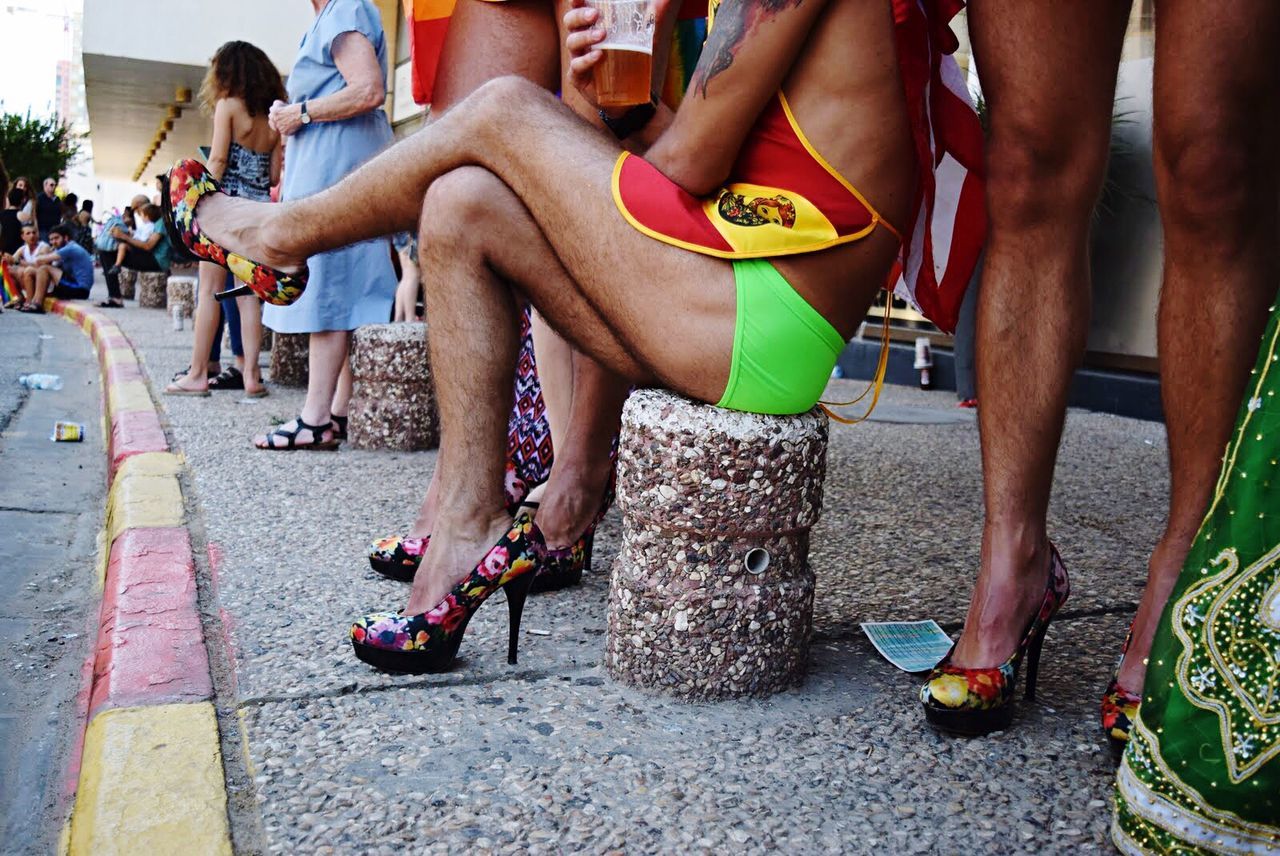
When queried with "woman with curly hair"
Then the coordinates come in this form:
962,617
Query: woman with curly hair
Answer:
246,156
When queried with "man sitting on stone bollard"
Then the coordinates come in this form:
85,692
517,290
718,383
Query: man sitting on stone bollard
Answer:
730,263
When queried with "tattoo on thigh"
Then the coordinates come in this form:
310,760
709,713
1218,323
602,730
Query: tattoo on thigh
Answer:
733,20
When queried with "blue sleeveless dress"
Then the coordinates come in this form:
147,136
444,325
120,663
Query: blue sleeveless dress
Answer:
355,285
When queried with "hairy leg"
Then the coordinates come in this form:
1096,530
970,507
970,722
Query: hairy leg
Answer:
489,246
1216,135
1046,157
46,278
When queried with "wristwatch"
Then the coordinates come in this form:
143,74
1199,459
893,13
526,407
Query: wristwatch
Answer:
631,121
306,117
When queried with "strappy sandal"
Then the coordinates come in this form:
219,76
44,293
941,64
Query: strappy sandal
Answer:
228,378
339,426
189,182
291,438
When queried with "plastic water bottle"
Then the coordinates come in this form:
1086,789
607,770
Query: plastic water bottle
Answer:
41,381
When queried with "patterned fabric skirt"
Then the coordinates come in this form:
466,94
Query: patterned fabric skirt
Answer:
1201,773
528,435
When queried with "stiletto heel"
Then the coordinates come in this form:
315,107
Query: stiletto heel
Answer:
517,590
1033,664
564,566
428,642
975,702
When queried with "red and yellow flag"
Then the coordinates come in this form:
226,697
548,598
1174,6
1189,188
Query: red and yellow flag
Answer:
428,22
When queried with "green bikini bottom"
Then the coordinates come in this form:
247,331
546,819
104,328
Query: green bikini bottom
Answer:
783,350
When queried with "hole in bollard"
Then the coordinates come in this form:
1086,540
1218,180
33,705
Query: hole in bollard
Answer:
756,561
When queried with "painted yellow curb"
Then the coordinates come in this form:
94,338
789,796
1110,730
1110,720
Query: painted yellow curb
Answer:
118,357
151,782
145,494
129,396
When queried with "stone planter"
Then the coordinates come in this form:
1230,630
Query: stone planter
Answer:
128,283
711,594
153,290
393,400
181,292
289,359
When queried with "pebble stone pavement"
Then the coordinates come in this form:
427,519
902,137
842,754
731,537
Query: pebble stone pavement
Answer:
551,756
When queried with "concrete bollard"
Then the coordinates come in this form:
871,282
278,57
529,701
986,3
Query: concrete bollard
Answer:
393,398
181,291
289,359
128,279
711,594
153,289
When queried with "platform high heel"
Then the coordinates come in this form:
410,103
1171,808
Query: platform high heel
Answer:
428,642
1119,706
397,557
975,702
563,566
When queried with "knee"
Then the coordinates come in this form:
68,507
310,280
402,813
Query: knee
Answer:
455,210
506,96
1211,178
1043,174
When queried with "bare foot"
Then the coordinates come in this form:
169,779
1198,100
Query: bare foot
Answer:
567,503
247,228
188,383
1006,598
452,554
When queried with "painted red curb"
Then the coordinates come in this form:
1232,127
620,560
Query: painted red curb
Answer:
133,433
122,372
150,644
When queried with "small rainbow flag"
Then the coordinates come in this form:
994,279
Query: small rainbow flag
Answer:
9,286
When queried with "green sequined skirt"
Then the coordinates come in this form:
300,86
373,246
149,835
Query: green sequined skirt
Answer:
1201,773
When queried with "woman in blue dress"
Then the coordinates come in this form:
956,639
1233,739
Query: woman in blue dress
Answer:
333,123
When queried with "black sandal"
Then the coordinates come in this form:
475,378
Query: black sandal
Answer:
339,426
291,438
179,375
229,378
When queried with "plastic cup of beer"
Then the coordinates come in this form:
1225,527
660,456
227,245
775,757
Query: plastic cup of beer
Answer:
624,73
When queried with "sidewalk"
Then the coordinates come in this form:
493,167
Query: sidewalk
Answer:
551,755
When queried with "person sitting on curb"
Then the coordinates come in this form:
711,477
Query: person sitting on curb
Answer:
147,250
23,265
696,267
66,272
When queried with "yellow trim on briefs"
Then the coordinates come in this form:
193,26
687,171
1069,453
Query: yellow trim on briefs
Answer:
729,254
822,162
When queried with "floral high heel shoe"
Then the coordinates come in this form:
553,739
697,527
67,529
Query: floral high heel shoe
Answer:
1119,706
189,182
397,557
428,642
563,566
978,701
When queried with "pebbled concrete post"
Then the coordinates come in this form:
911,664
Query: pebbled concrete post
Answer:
289,359
153,289
181,291
711,594
393,399
128,281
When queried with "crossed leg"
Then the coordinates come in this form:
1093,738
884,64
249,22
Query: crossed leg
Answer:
1216,132
494,247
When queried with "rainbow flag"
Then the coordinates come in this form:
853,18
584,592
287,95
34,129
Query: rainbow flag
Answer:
9,287
428,22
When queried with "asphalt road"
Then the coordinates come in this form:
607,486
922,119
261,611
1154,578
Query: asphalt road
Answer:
51,508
